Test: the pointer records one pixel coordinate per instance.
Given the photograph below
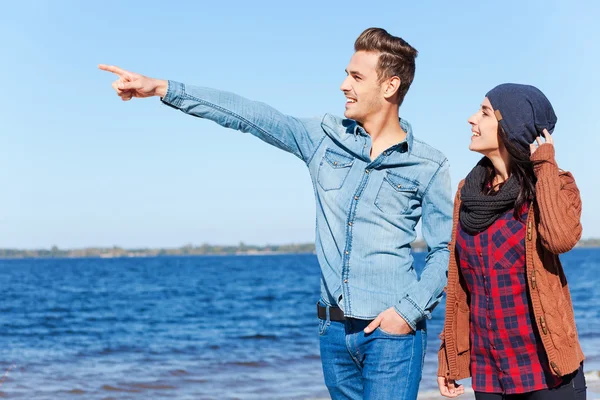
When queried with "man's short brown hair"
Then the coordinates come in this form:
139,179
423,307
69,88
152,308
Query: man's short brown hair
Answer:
396,57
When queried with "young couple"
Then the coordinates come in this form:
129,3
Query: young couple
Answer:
509,319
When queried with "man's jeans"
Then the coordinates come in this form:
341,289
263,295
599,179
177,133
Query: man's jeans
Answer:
378,366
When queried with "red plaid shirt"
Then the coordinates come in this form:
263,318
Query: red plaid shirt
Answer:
507,355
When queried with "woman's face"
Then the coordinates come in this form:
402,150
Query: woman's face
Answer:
484,129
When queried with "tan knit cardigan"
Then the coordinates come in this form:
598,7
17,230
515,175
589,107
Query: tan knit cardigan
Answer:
553,227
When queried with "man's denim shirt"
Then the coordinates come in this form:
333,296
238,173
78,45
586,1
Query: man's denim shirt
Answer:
367,209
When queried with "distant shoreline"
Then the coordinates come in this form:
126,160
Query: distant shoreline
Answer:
191,250
156,256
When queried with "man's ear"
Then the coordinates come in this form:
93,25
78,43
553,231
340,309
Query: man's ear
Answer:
392,86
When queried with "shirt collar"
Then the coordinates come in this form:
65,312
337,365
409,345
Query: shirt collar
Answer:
404,146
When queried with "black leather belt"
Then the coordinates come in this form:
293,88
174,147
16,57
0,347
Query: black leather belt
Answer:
335,313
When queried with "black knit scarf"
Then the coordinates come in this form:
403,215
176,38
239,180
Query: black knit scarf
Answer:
478,211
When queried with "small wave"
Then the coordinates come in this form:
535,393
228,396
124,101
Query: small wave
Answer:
588,335
58,309
266,298
97,319
110,388
178,372
258,337
592,376
153,386
194,380
120,349
312,357
76,391
253,364
75,332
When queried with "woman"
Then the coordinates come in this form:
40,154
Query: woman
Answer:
509,318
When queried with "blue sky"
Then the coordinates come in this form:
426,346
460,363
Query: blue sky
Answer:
81,168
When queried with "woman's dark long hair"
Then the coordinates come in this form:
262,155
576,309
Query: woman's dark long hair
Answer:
521,168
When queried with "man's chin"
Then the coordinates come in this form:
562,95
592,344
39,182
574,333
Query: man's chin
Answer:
350,115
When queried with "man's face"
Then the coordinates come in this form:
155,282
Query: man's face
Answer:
363,91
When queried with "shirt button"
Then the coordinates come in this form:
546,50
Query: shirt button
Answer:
345,280
480,254
347,252
366,171
349,223
355,197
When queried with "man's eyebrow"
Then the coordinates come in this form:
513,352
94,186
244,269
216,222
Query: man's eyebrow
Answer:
353,72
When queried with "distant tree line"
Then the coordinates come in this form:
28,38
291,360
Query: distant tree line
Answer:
187,250
191,250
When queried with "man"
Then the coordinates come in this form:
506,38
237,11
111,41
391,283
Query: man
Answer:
373,182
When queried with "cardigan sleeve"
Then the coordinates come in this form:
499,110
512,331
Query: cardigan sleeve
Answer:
559,203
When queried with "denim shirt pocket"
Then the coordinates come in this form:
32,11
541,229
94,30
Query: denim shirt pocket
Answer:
396,193
333,170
